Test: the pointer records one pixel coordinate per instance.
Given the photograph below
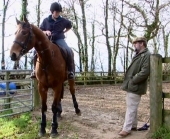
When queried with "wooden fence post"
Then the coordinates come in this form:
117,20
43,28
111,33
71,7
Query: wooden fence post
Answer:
101,78
155,92
36,95
85,80
8,99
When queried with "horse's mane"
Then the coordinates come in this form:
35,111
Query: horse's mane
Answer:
40,33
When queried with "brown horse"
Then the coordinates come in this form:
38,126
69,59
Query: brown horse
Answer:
51,68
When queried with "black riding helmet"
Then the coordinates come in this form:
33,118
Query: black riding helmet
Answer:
55,7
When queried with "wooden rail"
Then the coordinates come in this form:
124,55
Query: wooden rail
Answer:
90,78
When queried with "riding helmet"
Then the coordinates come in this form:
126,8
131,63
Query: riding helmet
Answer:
55,7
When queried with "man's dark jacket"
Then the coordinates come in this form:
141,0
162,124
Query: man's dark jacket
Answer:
136,76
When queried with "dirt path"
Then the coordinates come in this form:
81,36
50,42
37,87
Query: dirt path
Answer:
103,110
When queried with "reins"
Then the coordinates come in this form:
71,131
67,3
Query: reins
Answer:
42,51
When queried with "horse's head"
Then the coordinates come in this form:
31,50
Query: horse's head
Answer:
23,39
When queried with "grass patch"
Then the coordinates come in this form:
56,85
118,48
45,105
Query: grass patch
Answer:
162,133
23,127
18,127
6,112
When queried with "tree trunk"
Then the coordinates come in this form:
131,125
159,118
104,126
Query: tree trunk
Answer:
107,38
38,13
82,4
92,47
5,6
24,12
116,46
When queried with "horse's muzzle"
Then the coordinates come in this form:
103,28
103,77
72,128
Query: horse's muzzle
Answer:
13,57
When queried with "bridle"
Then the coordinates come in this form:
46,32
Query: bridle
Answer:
25,43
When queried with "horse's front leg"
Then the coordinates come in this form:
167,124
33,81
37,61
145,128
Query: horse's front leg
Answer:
55,109
54,124
72,91
43,94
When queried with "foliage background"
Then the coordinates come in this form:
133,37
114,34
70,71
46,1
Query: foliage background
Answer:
102,32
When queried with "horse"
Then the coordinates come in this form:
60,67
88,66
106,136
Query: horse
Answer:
50,70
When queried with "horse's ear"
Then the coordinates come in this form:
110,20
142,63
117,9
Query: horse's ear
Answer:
17,21
24,18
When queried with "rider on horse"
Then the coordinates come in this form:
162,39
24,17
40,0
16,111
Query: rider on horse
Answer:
54,26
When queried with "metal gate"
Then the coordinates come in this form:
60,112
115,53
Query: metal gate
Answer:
16,92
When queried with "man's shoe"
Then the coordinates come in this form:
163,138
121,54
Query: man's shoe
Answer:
124,133
144,127
33,75
70,75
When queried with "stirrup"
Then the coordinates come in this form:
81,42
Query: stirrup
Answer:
70,75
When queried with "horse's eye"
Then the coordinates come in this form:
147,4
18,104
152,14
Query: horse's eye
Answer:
23,32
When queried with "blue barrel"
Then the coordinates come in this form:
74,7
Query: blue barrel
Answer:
11,87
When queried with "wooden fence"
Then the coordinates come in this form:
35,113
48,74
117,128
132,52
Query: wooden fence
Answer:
158,115
101,78
81,78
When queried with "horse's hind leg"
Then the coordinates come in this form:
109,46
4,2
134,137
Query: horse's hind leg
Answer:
72,91
59,106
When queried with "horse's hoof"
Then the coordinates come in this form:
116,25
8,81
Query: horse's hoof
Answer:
53,134
78,112
42,133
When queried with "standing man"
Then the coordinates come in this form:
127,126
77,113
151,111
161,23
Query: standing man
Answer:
135,83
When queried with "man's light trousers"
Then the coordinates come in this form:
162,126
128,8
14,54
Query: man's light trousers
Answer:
132,103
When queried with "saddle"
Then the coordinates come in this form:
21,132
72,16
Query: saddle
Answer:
63,51
69,62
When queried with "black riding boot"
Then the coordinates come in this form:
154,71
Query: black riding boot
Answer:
34,60
70,64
